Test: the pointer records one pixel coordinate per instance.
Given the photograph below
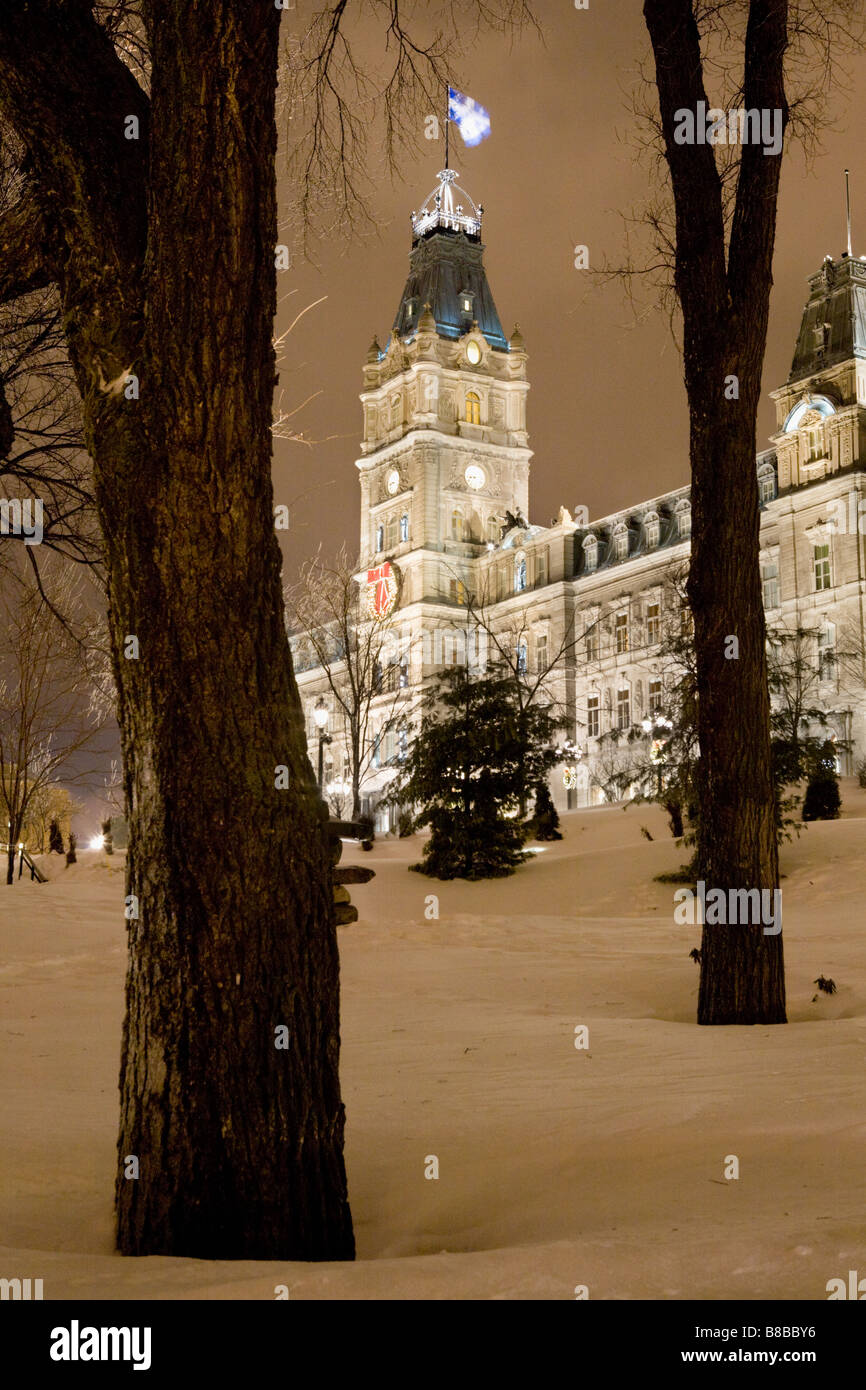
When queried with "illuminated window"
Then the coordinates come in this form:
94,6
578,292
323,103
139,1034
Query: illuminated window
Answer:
822,566
456,525
814,443
654,697
623,708
766,487
473,408
653,624
457,591
593,721
520,574
620,628
770,583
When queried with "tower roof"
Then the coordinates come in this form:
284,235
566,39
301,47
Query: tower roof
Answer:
446,268
833,327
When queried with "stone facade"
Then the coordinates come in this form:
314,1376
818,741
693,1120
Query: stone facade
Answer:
444,474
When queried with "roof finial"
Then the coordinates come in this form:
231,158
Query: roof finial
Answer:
848,210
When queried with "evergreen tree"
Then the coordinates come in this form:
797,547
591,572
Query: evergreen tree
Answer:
822,800
55,839
545,820
466,771
70,853
107,841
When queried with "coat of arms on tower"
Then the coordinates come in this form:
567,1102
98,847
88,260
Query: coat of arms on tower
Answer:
383,587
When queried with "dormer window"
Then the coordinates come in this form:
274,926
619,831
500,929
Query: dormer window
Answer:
411,311
684,522
620,543
466,303
590,553
767,487
651,530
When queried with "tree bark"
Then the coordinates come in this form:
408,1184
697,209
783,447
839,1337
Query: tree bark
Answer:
165,259
725,309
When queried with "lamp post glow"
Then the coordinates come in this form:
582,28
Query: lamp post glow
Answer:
320,715
661,726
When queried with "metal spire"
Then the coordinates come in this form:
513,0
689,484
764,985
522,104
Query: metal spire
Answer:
847,205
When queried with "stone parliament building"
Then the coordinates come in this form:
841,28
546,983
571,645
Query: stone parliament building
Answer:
587,604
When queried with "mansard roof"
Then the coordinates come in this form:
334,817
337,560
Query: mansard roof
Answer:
446,265
833,326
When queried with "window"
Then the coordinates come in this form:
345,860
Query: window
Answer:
456,525
449,650
687,627
380,537
814,443
392,532
620,628
653,624
766,487
521,656
822,566
457,591
402,744
466,303
684,524
651,531
593,723
492,529
770,583
520,574
404,527
541,654
541,567
590,638
827,653
623,708
654,697
590,552
404,672
473,408
377,750
620,544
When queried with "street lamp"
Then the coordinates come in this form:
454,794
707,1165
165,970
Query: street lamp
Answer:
661,726
320,715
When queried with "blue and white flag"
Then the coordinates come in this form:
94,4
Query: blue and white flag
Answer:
471,120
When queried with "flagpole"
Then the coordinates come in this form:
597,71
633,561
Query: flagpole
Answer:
447,109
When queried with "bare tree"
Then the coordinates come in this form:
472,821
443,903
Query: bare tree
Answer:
45,723
364,658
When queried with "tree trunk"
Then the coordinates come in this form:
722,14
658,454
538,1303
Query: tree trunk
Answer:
723,288
239,1140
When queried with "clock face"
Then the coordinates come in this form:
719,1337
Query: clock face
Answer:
473,352
474,476
393,482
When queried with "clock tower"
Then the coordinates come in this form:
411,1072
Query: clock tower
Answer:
444,455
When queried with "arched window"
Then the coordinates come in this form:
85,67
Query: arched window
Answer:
590,553
404,527
520,574
651,530
620,543
767,486
456,525
473,408
684,523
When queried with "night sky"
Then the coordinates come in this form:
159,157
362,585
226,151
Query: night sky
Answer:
606,411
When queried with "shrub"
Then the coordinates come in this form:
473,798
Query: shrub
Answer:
822,800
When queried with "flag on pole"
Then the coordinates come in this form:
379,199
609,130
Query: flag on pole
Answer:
471,120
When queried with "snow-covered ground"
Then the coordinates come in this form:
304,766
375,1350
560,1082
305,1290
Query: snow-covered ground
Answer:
558,1167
